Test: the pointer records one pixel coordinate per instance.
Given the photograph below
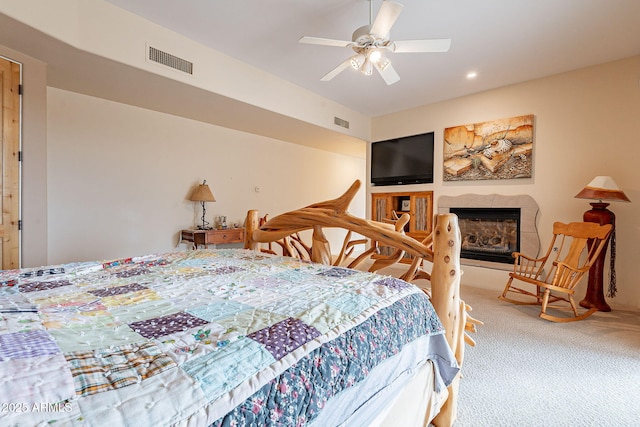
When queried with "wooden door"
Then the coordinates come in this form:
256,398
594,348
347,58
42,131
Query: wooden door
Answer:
9,163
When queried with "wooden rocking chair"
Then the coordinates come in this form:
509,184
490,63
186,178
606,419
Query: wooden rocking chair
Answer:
573,249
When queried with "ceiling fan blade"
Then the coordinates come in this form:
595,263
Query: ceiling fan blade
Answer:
324,42
340,68
388,73
434,45
387,15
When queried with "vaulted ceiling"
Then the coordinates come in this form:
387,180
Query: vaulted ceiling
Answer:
503,41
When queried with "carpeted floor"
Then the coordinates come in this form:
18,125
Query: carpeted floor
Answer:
526,371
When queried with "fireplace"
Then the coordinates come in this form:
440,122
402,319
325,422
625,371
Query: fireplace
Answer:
489,234
529,241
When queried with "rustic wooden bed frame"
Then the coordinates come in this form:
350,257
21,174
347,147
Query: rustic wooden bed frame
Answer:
441,249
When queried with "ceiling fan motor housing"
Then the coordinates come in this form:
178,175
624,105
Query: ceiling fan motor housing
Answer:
363,38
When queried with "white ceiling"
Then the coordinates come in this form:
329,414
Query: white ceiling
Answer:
504,41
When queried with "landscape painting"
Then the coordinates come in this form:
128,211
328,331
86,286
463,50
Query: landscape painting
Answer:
497,149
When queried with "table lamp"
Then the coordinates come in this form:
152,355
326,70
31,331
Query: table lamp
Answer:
603,189
203,194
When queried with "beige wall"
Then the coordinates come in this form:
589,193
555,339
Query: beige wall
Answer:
119,176
107,179
586,124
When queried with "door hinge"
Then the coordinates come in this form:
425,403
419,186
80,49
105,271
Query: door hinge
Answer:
19,225
19,89
19,156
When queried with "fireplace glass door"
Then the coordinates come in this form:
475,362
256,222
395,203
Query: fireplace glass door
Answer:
489,234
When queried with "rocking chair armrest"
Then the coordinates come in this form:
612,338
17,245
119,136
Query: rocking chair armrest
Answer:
518,255
564,266
526,266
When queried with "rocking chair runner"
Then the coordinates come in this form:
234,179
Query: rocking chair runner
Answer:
573,249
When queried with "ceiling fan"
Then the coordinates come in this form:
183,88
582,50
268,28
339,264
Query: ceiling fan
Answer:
370,42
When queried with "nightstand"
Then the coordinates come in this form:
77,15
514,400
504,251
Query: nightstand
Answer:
211,237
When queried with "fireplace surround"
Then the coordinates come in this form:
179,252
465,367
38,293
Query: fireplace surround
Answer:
528,238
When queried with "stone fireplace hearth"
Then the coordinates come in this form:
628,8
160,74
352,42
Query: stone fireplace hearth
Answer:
529,240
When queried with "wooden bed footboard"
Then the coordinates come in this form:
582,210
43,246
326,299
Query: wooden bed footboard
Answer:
441,249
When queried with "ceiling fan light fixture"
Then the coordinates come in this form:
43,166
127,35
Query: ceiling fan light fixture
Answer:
375,56
367,68
356,61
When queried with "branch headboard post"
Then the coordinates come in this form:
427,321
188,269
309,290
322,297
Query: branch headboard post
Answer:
251,224
445,297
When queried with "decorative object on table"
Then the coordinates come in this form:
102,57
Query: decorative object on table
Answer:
497,149
222,222
203,194
601,188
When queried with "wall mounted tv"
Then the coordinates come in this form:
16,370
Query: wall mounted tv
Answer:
406,160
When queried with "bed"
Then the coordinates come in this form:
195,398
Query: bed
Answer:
230,337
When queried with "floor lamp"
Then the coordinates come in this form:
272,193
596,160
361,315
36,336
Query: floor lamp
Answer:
603,189
203,194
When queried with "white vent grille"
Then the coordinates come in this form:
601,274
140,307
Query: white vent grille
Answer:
169,60
341,122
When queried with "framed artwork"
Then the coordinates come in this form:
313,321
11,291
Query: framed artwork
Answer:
497,149
405,206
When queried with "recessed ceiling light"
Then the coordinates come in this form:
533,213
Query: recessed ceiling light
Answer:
472,75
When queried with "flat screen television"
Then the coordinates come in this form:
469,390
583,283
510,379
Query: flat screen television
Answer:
406,160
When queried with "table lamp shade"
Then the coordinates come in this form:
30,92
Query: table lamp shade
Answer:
202,193
603,188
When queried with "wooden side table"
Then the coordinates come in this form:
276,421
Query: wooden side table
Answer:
211,237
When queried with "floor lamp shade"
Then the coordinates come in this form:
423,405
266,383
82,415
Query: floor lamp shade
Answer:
203,194
603,188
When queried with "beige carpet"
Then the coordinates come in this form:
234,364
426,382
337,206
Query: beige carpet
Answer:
526,371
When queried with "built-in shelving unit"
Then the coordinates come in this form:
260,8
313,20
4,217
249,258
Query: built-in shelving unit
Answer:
418,204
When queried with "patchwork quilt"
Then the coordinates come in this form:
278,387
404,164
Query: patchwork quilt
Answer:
208,337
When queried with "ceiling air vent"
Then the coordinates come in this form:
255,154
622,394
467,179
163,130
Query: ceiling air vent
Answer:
341,122
169,60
